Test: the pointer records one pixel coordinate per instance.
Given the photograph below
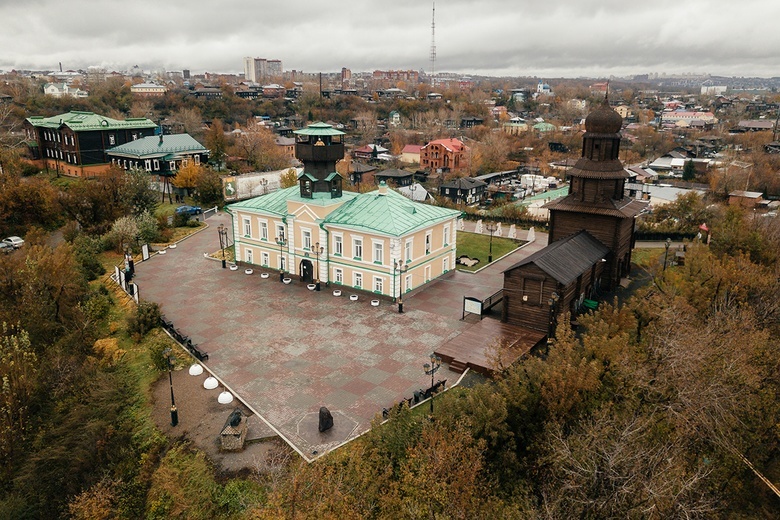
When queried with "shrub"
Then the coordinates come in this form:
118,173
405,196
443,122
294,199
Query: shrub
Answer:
146,317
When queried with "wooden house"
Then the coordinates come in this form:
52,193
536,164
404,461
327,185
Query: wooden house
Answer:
552,281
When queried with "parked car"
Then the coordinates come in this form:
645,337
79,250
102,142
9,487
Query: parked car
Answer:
15,242
189,210
6,248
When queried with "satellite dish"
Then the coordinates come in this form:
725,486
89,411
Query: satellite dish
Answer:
210,383
225,398
196,369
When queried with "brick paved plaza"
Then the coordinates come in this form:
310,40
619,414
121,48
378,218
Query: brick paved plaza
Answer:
286,351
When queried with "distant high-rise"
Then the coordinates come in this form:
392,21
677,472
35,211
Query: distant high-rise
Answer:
258,69
433,46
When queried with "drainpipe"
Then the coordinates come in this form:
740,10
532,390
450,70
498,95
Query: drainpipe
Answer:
327,260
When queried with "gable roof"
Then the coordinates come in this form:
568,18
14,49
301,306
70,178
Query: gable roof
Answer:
85,121
154,146
463,183
412,148
390,214
453,145
566,259
275,202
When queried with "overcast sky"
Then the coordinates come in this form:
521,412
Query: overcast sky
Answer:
569,38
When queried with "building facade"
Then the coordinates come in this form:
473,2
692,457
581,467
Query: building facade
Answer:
75,143
379,242
159,155
444,155
596,201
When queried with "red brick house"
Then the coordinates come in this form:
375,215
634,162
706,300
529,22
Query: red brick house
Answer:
444,155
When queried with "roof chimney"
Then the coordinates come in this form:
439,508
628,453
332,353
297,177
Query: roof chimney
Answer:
383,188
161,139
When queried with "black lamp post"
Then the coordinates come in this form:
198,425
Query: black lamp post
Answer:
222,231
553,302
318,250
430,369
401,271
170,359
491,227
666,254
281,242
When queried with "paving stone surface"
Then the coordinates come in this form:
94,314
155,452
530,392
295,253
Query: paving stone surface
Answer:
286,351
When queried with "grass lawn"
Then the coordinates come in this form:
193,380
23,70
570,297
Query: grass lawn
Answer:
475,245
646,257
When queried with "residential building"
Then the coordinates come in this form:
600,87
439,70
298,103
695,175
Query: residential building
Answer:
464,190
159,155
63,89
444,155
746,199
394,177
75,143
320,233
148,90
410,154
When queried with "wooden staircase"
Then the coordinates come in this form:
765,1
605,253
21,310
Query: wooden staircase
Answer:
457,366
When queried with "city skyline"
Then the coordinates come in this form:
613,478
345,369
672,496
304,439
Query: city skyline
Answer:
489,38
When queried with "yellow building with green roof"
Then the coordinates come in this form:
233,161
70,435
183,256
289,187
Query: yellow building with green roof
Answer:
379,242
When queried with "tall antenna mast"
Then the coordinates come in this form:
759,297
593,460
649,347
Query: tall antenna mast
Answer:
433,46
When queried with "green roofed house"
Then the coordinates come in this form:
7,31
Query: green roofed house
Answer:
75,143
159,155
380,242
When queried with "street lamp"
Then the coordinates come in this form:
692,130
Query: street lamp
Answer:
168,353
222,231
491,227
666,254
281,242
318,250
553,304
402,268
430,369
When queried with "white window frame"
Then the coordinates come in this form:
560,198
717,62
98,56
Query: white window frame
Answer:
378,252
338,275
445,235
156,164
280,231
247,227
379,285
338,245
408,283
282,262
409,250
357,280
148,165
428,242
111,139
427,273
357,247
265,258
248,255
306,239
263,229
197,159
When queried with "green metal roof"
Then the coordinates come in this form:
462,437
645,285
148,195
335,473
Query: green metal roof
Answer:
85,121
390,214
319,129
151,146
276,202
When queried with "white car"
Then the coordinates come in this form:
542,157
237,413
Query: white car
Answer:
16,242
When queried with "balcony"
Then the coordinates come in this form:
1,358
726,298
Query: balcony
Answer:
329,153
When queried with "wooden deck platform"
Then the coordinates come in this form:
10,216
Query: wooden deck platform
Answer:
487,342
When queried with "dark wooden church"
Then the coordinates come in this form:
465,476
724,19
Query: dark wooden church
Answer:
591,234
